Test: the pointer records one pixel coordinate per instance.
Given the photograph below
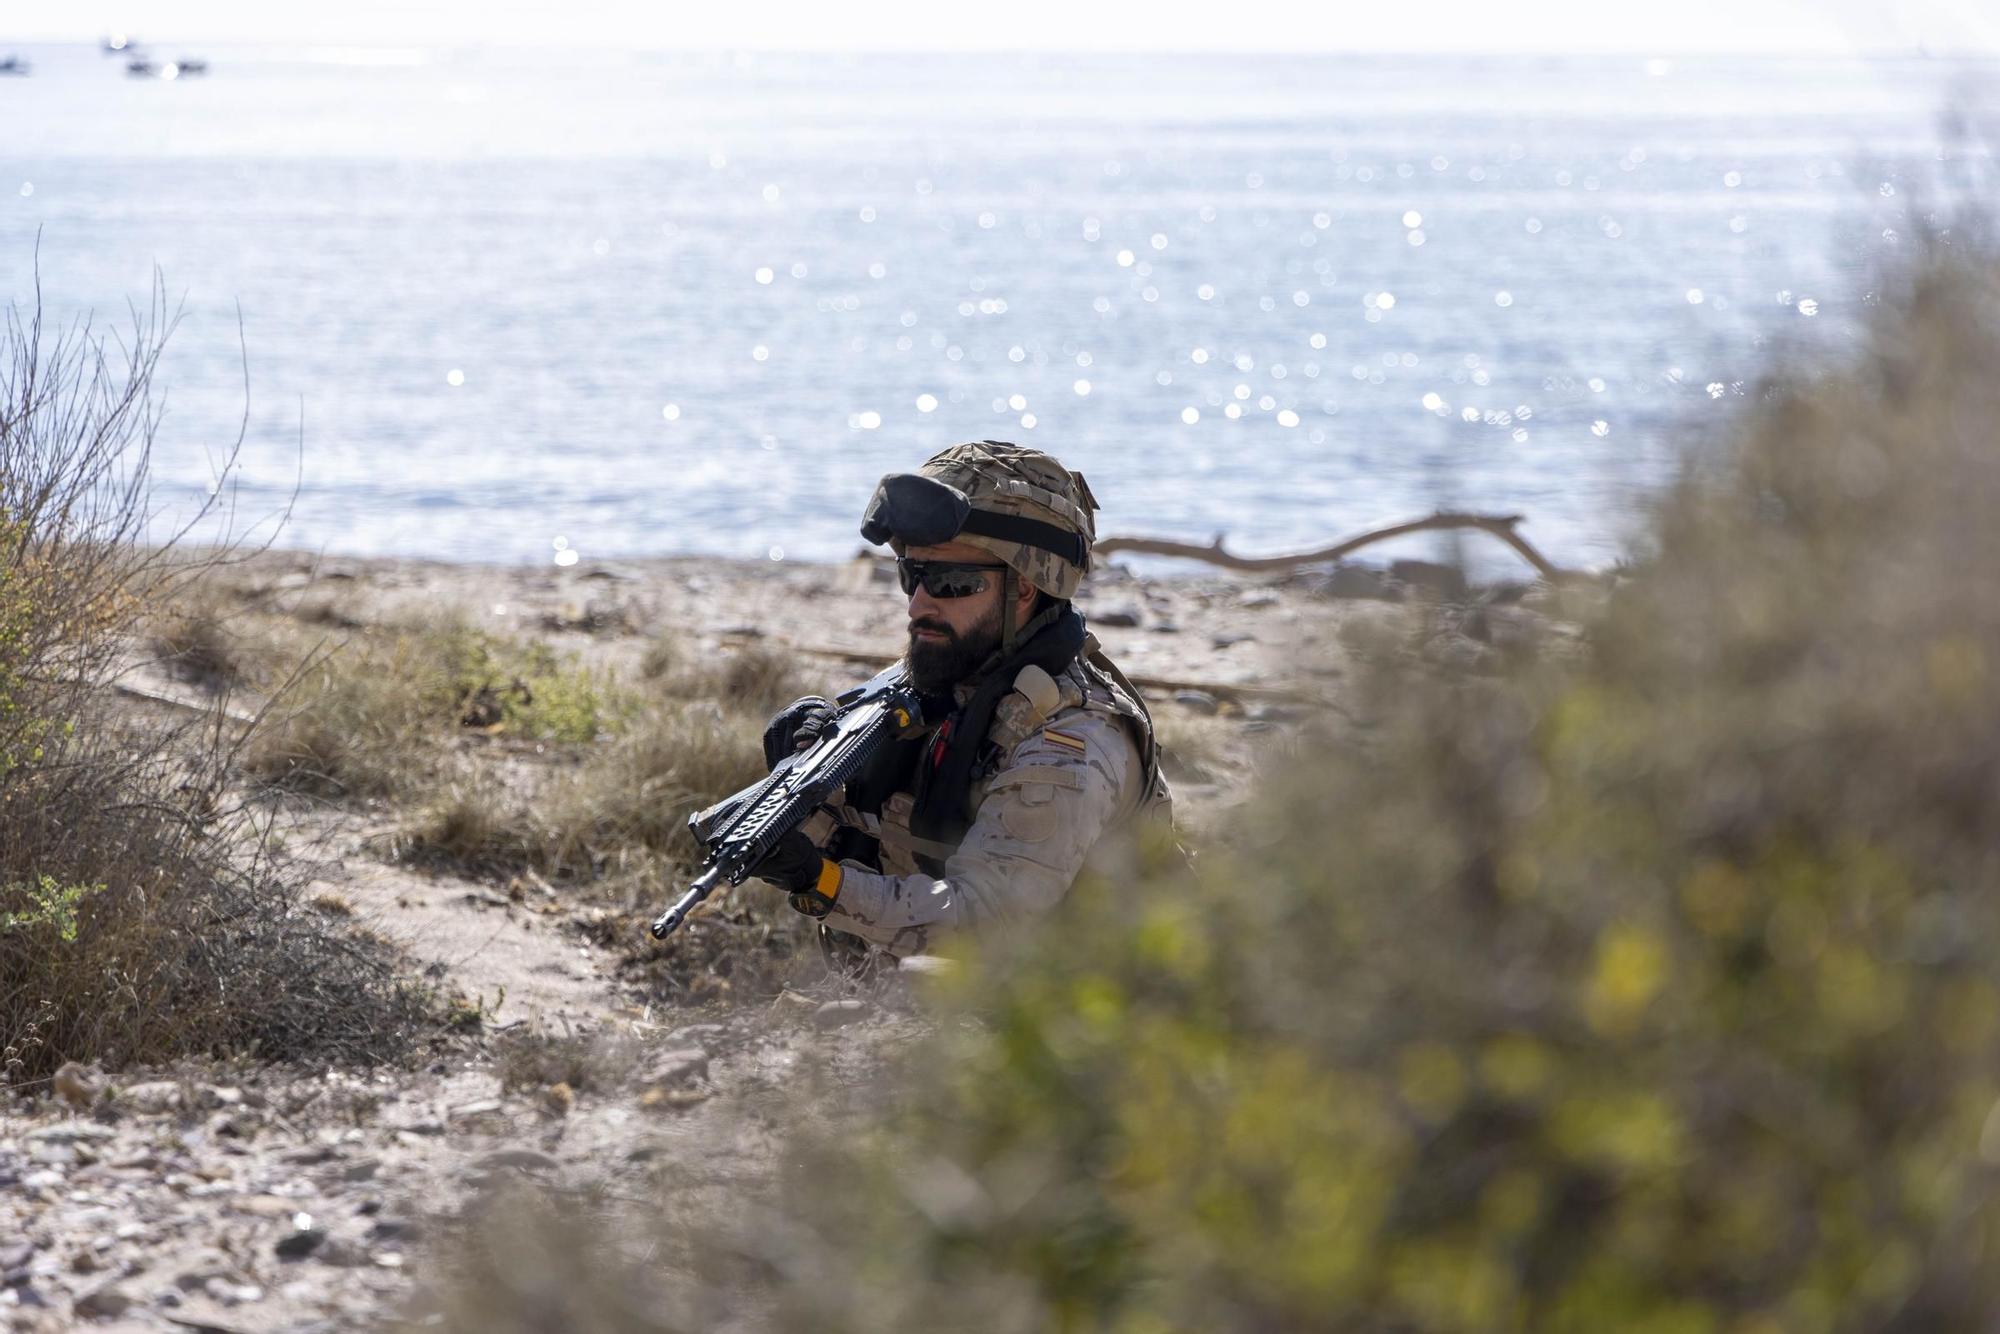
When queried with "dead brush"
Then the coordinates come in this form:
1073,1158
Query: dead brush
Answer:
625,803
1193,749
748,678
747,946
360,720
640,788
476,824
142,918
194,642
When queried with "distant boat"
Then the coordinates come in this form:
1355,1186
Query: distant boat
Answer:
140,68
14,65
189,67
115,43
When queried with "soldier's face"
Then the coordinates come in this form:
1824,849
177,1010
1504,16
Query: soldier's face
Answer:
950,637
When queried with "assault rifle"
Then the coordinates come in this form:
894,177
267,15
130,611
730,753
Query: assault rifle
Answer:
740,831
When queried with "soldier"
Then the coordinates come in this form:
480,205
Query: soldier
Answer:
1043,747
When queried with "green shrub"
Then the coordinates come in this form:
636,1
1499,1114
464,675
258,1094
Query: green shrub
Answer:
1658,990
51,906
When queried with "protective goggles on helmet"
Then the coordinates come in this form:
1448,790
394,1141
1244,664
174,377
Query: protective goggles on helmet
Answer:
943,579
925,512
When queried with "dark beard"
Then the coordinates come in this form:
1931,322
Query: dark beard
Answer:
936,668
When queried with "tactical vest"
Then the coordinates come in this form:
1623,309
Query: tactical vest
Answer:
1091,682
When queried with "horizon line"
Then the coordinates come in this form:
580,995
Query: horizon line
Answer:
1918,51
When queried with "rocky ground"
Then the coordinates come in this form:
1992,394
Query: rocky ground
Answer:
239,1196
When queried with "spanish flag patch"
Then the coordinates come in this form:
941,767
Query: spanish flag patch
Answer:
1075,743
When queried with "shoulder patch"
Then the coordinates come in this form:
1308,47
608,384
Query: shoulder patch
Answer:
1073,742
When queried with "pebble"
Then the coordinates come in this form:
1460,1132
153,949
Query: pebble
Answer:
1444,581
1356,581
677,1066
105,1302
71,1132
1228,638
264,1206
297,1245
1257,597
152,1096
233,1294
835,1014
1200,701
526,1159
1116,618
211,1266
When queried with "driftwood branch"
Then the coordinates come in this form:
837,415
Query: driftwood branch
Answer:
186,705
1499,525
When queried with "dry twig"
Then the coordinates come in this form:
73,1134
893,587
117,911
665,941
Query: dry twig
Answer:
1499,525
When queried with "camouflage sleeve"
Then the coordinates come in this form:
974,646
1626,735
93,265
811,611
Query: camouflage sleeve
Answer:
1041,815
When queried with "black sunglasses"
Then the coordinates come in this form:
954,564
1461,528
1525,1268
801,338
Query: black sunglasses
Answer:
942,579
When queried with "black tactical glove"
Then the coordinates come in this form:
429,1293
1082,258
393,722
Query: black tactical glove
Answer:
798,868
795,727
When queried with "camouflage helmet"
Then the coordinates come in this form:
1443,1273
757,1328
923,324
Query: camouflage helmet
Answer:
1032,513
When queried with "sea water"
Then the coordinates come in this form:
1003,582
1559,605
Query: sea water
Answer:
518,306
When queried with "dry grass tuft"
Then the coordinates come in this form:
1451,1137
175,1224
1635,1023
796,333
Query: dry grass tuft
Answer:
750,678
194,641
377,715
622,807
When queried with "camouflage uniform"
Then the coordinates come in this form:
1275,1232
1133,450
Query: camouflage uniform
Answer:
1061,784
1069,755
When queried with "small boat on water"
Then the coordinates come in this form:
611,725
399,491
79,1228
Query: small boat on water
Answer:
140,67
14,65
115,43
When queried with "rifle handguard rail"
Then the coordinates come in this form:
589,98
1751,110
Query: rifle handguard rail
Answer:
741,830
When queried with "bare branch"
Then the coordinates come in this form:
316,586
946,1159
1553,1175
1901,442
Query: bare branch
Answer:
1499,525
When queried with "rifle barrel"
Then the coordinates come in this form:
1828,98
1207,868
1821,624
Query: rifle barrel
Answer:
666,923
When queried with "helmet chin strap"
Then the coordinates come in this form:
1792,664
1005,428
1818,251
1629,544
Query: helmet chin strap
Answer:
1008,629
1011,634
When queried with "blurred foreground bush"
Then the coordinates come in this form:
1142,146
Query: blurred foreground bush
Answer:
141,916
1655,988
